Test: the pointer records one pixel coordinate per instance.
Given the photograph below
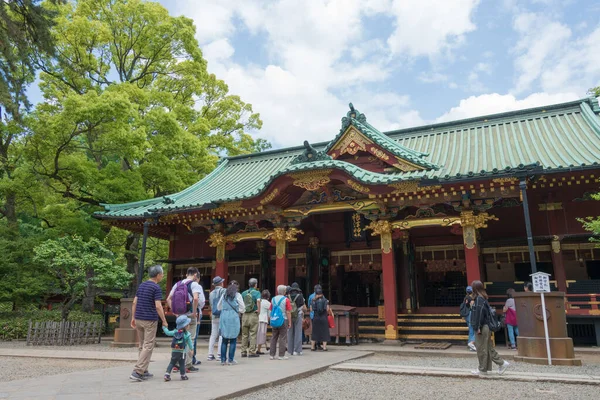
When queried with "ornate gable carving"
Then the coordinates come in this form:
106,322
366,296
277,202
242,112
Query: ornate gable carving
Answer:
357,136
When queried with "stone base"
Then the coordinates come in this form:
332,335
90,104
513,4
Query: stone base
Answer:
125,337
555,361
533,350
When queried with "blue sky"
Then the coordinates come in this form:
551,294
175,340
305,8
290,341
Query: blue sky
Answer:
402,62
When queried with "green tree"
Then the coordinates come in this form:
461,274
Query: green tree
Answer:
131,111
25,32
592,224
80,269
595,91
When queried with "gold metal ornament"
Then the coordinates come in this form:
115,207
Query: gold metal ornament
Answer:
311,180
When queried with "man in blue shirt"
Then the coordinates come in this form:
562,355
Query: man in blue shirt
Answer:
145,312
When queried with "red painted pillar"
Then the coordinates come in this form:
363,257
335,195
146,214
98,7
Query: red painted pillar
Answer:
390,295
281,269
222,270
218,241
472,263
470,223
559,267
171,267
282,237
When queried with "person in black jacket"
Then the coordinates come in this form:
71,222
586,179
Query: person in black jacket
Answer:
486,353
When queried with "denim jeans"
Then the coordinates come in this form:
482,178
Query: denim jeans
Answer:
232,344
471,330
177,360
512,331
196,340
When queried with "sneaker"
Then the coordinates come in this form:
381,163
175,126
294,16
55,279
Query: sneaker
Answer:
513,347
478,372
136,377
244,355
184,377
299,354
271,358
211,358
192,369
167,377
253,355
232,362
197,362
472,347
148,375
175,369
223,363
283,358
503,367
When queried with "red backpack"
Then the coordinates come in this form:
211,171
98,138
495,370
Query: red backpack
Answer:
180,303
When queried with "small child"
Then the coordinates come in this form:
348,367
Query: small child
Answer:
182,339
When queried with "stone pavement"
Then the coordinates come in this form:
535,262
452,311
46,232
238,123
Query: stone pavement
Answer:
464,373
211,382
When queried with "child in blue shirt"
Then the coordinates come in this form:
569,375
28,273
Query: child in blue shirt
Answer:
182,340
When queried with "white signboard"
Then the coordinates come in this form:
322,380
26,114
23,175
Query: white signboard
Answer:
541,282
541,285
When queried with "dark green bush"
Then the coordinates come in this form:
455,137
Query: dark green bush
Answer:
14,325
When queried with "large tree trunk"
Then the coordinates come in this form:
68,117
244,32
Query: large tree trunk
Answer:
132,247
87,304
10,209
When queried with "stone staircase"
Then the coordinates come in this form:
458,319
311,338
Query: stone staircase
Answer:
417,328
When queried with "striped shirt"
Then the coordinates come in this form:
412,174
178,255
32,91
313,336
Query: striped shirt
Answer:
147,294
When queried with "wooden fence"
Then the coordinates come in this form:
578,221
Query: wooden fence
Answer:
64,333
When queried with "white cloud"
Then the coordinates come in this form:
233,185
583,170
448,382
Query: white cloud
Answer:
318,61
217,51
551,59
496,103
428,28
432,77
540,40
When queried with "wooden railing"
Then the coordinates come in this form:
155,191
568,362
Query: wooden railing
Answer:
575,304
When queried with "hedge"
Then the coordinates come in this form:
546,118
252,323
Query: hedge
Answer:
14,325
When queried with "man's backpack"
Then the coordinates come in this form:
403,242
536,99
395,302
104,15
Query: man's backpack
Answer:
320,306
294,308
276,316
249,302
214,305
493,321
464,310
180,303
178,342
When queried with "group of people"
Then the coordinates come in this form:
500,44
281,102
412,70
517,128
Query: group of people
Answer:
287,313
477,313
232,312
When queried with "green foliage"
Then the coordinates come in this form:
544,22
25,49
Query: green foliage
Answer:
130,113
595,91
74,266
14,325
592,224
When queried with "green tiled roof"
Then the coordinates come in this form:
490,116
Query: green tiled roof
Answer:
559,137
359,121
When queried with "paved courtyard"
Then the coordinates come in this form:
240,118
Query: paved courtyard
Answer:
359,372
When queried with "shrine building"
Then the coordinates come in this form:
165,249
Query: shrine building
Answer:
398,223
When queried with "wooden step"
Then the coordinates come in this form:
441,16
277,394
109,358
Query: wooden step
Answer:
433,328
432,337
441,321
